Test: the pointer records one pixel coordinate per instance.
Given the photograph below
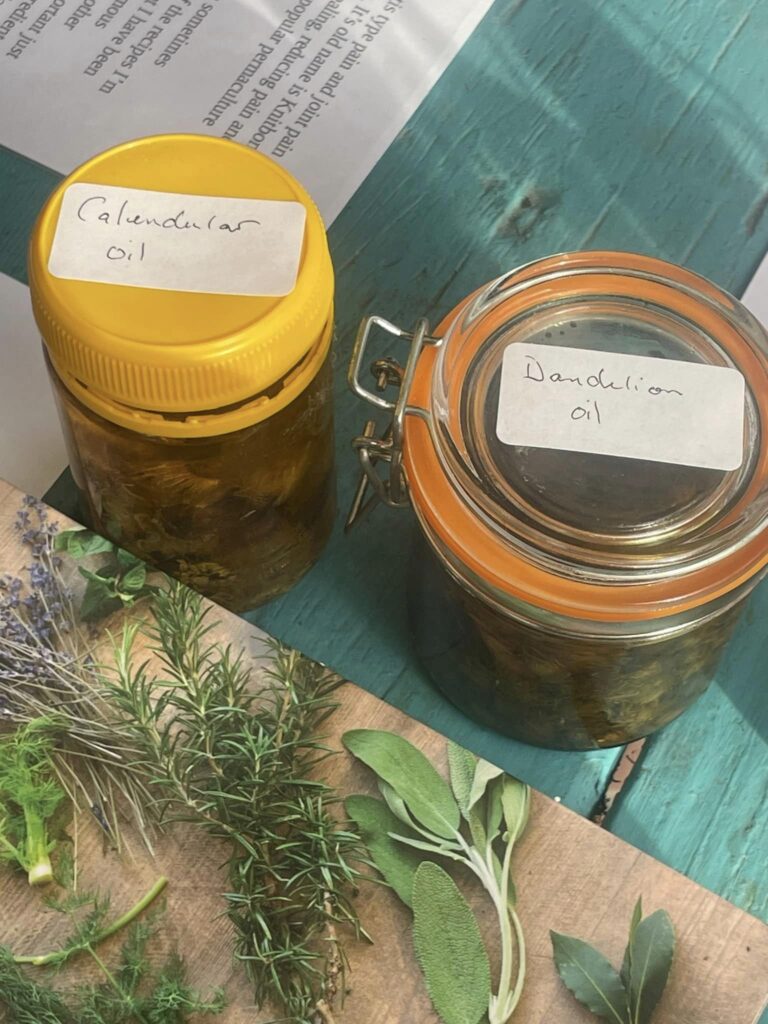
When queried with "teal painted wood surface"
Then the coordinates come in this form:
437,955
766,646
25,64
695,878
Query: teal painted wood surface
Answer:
638,125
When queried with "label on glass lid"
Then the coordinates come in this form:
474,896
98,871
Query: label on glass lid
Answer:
636,407
177,242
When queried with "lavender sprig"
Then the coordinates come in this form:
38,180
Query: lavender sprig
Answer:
47,667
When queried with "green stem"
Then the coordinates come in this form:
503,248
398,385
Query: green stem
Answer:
58,955
502,908
39,869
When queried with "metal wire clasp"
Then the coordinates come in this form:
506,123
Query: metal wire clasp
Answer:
390,488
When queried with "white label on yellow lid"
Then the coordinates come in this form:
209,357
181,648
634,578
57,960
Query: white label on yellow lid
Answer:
176,242
607,403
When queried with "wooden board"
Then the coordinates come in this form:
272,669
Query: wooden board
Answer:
571,876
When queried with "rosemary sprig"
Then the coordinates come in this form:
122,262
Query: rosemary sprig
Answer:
48,668
239,761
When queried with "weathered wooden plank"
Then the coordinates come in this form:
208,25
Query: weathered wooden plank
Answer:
571,877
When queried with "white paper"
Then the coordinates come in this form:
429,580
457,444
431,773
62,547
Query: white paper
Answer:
755,298
582,400
31,445
323,86
166,240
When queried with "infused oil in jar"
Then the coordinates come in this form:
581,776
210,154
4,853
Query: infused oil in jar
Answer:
199,423
567,595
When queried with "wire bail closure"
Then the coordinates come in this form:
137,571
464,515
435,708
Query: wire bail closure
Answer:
390,488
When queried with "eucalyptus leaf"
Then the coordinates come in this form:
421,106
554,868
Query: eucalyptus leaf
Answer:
516,805
396,862
396,761
81,543
484,773
461,764
591,978
637,916
652,947
449,948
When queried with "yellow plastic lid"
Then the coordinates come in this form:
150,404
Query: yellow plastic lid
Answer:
136,355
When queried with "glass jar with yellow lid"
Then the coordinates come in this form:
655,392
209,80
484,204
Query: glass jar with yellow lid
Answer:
195,391
589,529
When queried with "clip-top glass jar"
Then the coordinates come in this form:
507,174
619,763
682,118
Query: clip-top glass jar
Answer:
199,426
570,599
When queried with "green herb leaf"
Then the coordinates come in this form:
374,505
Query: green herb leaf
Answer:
449,948
591,978
126,560
461,764
652,946
135,578
396,862
637,916
98,601
81,543
406,769
515,805
485,772
494,810
477,828
396,805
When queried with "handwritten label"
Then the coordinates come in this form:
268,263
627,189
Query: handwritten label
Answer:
582,400
177,242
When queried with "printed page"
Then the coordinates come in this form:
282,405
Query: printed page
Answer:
31,444
323,86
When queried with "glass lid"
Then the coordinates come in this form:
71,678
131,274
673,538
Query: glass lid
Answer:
602,417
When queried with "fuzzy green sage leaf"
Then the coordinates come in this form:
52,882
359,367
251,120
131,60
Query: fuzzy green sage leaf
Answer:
449,948
591,978
515,805
652,947
396,862
485,772
461,766
409,773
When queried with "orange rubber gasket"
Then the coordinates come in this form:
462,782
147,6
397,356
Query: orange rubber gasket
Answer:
485,553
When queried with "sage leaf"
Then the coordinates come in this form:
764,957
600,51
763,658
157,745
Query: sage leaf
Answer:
637,916
396,761
461,764
591,978
449,948
493,810
477,828
484,773
397,863
396,804
515,805
652,947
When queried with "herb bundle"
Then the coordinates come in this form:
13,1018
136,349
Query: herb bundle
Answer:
628,996
48,669
476,823
238,761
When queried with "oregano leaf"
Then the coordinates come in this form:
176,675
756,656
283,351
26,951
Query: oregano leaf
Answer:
652,947
396,862
98,601
515,805
396,761
591,978
637,916
81,543
484,773
449,948
461,765
135,578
